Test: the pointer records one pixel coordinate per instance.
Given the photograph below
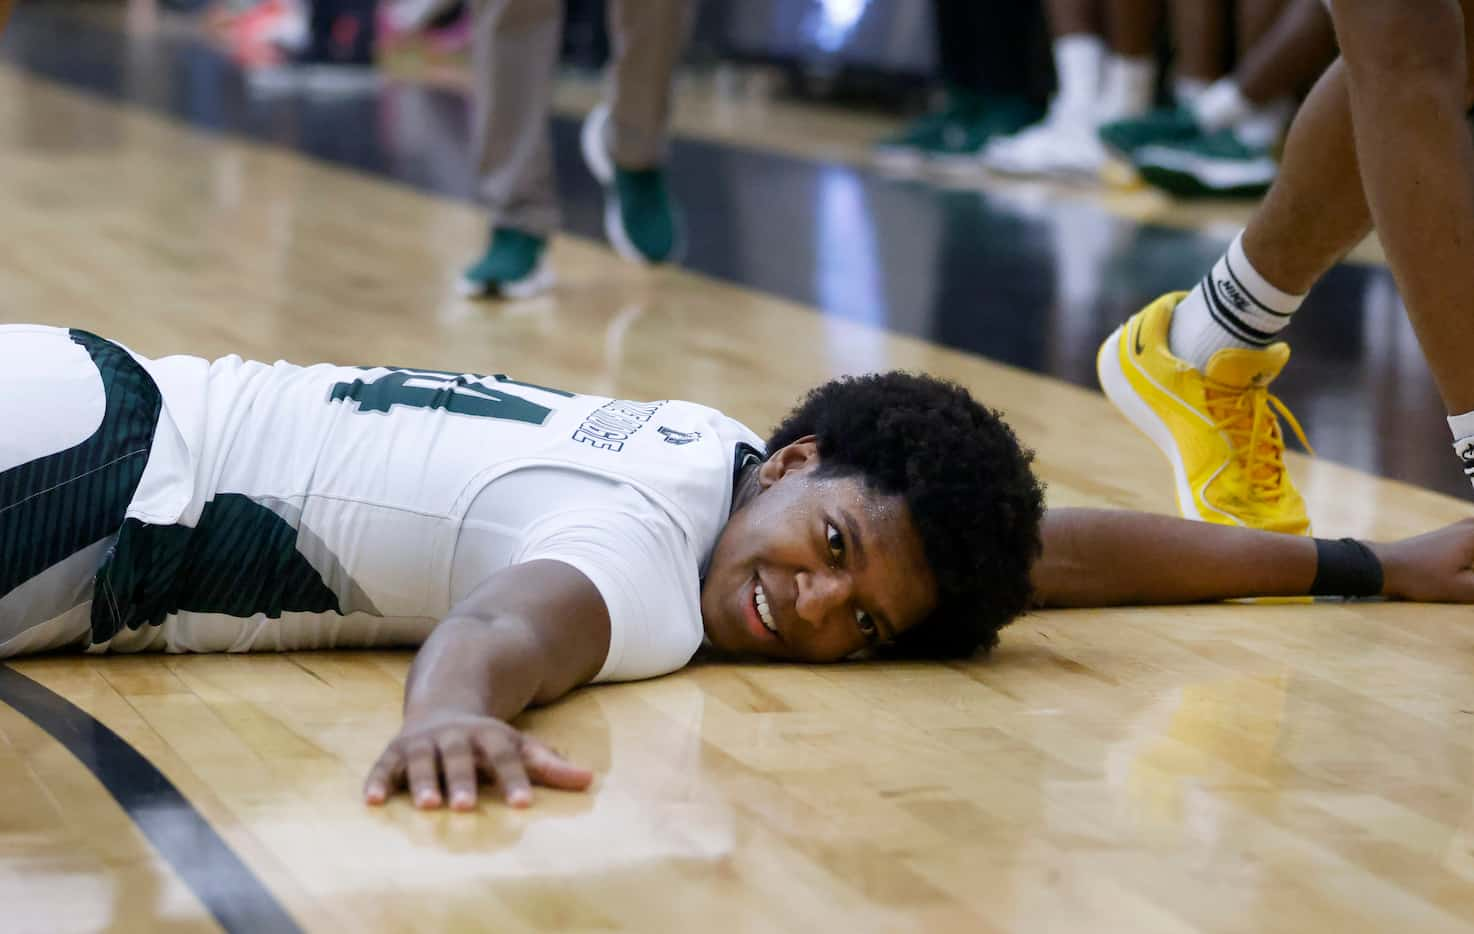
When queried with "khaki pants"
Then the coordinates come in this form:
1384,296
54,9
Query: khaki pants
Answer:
515,53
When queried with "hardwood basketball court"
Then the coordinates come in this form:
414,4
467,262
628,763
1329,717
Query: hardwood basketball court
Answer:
1221,768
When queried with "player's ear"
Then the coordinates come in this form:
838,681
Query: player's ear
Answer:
802,454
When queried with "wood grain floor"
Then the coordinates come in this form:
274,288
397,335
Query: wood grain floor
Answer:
1226,768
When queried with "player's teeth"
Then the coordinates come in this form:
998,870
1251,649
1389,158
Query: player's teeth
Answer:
765,614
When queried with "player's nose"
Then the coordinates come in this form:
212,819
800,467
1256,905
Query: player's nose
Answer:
820,593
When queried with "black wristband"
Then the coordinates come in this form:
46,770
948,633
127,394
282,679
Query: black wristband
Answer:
1345,568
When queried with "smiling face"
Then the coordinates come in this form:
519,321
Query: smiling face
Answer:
814,568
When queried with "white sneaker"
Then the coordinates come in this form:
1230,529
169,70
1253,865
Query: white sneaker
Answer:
1059,147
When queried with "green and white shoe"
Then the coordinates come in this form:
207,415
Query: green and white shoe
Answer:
905,151
1164,125
515,265
1218,165
951,139
641,219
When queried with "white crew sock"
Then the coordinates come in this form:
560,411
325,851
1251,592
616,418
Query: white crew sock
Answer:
1462,427
1127,88
1234,306
1186,91
1078,59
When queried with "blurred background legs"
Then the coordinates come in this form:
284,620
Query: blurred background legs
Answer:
1221,135
514,52
985,66
1105,71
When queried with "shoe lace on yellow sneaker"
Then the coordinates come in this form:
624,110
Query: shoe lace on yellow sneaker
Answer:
1249,417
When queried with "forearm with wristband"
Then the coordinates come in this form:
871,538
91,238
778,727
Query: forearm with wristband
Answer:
1345,567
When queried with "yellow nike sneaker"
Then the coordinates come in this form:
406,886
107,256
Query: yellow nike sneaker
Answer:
1219,428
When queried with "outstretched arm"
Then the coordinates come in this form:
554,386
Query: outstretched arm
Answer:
1100,557
528,635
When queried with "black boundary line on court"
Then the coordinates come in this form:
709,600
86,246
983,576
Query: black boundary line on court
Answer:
234,896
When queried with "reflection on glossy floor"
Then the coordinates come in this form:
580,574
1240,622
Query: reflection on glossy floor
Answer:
1222,768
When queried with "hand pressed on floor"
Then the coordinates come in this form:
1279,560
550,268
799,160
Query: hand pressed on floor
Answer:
449,754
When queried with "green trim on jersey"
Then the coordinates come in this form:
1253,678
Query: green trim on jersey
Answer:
241,559
55,506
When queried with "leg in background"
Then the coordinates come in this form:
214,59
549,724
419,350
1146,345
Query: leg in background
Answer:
1130,81
1408,77
1225,140
1075,17
1133,26
1079,53
1315,212
514,52
985,57
624,141
648,39
1064,143
1295,51
1200,36
1252,20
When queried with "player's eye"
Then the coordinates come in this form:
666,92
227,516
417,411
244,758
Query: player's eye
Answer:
836,543
866,624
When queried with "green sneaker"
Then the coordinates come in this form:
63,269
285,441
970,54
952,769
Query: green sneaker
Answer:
1218,165
1000,117
641,218
1163,125
514,266
905,151
952,138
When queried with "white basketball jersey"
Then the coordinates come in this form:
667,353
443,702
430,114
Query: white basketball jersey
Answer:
320,506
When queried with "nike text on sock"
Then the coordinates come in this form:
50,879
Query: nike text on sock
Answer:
1233,306
1235,310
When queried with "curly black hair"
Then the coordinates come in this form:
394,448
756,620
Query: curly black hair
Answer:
966,480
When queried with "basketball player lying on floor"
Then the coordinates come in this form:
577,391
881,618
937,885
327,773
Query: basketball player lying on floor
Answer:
531,540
